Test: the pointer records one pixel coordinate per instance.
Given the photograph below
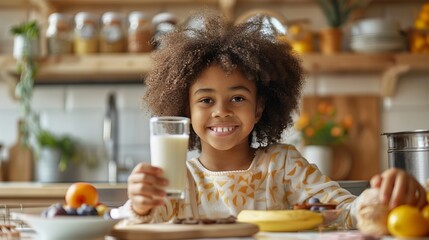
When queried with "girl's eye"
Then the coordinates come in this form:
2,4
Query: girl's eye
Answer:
206,100
237,99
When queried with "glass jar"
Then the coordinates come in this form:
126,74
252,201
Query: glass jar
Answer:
163,23
140,33
59,34
112,39
86,33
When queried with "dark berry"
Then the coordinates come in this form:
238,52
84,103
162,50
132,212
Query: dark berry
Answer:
314,208
71,211
54,210
313,200
86,210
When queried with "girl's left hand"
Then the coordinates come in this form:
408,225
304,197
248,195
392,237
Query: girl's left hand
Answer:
398,187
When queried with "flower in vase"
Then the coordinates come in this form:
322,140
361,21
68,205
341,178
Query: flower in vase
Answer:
324,127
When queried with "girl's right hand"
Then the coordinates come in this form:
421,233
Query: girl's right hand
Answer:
146,188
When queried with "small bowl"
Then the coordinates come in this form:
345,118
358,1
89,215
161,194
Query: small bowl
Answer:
68,227
334,219
376,26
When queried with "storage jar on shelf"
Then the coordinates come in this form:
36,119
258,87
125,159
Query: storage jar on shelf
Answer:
86,33
59,34
112,36
140,33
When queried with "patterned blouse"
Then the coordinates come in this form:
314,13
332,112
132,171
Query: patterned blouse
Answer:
277,178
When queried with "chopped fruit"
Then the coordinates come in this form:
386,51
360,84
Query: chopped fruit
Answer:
81,193
101,209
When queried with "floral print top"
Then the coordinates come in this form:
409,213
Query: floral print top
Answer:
277,178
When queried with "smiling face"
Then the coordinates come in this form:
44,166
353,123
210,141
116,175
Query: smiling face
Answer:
224,108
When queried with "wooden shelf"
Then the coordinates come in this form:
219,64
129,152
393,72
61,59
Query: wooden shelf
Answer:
107,68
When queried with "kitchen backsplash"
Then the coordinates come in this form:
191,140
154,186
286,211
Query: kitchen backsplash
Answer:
79,109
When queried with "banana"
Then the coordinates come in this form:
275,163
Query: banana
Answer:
281,220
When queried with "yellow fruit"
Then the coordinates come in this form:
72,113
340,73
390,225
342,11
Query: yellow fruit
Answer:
406,221
427,197
281,220
425,212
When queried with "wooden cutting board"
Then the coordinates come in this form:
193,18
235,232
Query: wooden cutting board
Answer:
20,162
163,231
361,153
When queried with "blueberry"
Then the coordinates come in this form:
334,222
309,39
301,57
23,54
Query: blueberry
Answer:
71,211
321,208
54,210
314,208
86,210
313,200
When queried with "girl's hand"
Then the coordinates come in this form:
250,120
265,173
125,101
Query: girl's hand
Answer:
145,188
397,187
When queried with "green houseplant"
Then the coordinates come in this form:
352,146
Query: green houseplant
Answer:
337,13
26,51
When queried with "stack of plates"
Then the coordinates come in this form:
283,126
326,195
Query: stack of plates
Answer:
376,36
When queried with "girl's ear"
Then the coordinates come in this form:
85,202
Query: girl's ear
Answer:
259,109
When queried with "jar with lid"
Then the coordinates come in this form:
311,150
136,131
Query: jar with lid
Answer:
112,39
59,34
163,23
140,33
86,33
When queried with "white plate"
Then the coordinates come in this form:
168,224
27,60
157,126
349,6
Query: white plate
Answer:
68,227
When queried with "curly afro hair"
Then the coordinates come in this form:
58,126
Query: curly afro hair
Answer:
247,47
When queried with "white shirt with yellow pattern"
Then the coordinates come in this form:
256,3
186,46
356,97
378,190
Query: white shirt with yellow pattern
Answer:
277,178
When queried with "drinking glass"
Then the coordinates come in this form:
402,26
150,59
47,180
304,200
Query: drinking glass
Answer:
169,139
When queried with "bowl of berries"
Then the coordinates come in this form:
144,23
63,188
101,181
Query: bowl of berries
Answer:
333,218
81,217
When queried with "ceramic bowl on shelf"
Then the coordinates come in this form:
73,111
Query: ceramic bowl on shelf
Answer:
68,227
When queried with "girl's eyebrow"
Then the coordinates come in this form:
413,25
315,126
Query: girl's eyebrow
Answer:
207,90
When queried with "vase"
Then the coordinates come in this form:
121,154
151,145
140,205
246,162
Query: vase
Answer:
331,40
47,170
321,156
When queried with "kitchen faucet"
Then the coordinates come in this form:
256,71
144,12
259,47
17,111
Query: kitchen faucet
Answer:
110,137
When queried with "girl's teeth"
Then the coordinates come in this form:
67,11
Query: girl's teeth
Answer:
223,129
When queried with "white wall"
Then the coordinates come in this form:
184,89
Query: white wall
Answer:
79,109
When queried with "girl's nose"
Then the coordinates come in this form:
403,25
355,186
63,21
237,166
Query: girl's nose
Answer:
221,110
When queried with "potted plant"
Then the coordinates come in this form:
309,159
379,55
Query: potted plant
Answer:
320,133
337,13
48,148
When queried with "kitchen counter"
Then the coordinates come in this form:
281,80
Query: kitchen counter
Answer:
343,235
111,194
33,193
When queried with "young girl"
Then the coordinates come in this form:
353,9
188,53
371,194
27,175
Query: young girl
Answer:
239,86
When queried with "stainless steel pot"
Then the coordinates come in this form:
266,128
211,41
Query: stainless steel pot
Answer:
409,150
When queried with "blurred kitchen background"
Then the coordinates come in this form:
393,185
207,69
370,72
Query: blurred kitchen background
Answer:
77,104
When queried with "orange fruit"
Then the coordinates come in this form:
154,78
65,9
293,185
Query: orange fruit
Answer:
80,193
406,221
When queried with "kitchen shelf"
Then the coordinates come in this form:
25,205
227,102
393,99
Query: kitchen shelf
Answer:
105,68
227,7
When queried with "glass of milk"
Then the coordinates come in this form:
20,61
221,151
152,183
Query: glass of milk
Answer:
169,139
